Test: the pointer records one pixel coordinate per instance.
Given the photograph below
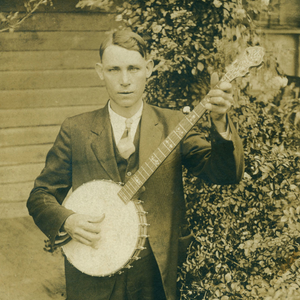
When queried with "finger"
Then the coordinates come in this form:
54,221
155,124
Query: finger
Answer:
139,193
82,240
214,79
96,219
220,101
221,110
89,236
91,227
225,86
220,94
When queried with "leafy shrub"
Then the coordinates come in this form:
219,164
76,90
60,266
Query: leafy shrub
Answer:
246,236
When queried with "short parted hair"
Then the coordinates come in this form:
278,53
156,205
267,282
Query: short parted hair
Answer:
126,39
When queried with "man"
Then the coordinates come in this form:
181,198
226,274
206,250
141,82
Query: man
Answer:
89,146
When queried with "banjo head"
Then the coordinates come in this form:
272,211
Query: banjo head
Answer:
120,229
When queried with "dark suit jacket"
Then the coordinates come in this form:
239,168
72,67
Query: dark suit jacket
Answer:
83,151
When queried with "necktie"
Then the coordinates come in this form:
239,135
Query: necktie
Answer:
125,145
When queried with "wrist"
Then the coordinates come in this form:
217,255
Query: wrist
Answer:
220,122
66,225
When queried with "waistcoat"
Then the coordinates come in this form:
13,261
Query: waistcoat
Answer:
127,167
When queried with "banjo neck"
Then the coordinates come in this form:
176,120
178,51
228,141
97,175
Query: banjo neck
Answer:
252,56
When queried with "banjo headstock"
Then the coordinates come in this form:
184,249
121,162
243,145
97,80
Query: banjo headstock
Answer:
251,57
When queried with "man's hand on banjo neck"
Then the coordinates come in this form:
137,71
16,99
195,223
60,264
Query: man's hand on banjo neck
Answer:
220,101
84,229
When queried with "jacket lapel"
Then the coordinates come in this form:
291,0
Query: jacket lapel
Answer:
150,135
102,145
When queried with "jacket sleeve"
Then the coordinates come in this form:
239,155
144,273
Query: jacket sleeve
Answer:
52,186
221,162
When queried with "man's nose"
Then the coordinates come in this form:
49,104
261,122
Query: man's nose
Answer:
125,80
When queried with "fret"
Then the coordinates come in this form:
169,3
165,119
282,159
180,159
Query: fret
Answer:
149,167
226,78
192,118
162,152
124,190
186,124
161,157
127,186
137,180
174,137
140,173
177,135
168,143
129,182
182,128
196,113
180,131
166,149
200,109
145,171
123,195
189,121
154,159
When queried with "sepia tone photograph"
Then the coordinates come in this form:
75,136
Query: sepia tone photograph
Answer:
149,150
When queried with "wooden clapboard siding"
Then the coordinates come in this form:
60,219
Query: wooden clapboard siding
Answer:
22,173
52,40
15,192
40,116
46,75
22,155
21,136
15,99
12,210
68,22
18,80
39,60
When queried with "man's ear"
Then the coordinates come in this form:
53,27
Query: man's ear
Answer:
149,67
99,70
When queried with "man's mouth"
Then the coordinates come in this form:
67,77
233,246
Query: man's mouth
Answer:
125,93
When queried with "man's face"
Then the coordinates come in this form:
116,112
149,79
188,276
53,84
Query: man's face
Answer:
124,73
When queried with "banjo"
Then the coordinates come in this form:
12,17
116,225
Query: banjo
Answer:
124,229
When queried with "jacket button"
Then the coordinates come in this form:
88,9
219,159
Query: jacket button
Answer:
128,174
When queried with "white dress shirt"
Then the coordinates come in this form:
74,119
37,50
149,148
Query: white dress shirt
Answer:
118,123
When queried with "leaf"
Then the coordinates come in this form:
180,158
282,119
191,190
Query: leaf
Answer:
156,28
228,277
200,66
297,118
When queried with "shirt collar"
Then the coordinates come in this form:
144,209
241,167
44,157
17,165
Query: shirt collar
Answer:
116,118
118,123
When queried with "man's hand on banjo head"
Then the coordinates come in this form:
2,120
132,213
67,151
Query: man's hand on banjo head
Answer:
84,229
220,101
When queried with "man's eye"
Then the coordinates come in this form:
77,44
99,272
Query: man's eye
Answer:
112,70
133,69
